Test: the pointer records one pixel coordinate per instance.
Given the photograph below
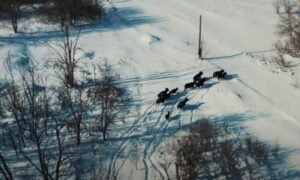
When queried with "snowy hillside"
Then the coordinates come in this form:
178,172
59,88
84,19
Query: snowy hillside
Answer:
153,45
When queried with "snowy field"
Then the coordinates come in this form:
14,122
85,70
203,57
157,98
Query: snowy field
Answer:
153,45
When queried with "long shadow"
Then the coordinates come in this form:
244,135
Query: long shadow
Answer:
209,85
192,107
235,124
282,160
232,119
114,19
274,166
231,76
175,98
223,57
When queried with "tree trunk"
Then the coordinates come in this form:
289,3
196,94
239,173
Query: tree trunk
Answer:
78,134
14,15
104,135
6,171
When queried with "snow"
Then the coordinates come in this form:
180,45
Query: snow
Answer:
153,45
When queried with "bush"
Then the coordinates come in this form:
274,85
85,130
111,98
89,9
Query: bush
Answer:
288,28
70,12
209,151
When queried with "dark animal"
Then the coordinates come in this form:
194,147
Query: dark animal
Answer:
181,104
219,74
222,76
197,76
168,115
189,85
200,82
163,98
173,91
160,100
167,96
163,93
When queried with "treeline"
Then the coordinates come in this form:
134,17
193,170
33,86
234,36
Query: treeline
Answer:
217,151
49,126
64,12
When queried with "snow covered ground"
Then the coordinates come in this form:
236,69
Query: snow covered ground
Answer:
153,45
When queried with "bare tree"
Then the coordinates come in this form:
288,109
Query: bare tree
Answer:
191,155
4,169
53,159
15,102
210,151
228,160
67,60
28,103
11,8
289,29
73,103
70,12
113,100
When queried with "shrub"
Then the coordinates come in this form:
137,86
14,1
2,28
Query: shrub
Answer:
70,12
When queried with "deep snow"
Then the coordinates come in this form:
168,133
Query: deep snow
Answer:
153,45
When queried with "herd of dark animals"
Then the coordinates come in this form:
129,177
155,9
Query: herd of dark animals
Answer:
198,82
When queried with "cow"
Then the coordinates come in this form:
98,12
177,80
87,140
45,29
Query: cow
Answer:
197,76
167,96
160,100
181,104
200,82
219,74
222,76
168,115
173,91
163,93
189,85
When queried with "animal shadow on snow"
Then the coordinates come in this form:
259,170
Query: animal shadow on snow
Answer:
173,118
235,124
192,107
174,99
209,85
231,76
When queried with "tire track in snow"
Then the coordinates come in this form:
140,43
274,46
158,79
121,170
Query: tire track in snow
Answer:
158,140
144,120
150,145
156,143
125,143
262,96
128,133
270,102
254,90
154,147
147,147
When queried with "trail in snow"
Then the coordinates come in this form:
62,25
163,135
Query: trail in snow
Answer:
152,56
157,138
154,130
128,133
148,115
254,90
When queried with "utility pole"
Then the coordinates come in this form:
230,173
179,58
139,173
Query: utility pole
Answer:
200,40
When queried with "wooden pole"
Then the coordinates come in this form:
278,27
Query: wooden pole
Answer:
200,40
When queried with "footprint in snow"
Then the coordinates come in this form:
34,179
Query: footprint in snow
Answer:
149,39
90,54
